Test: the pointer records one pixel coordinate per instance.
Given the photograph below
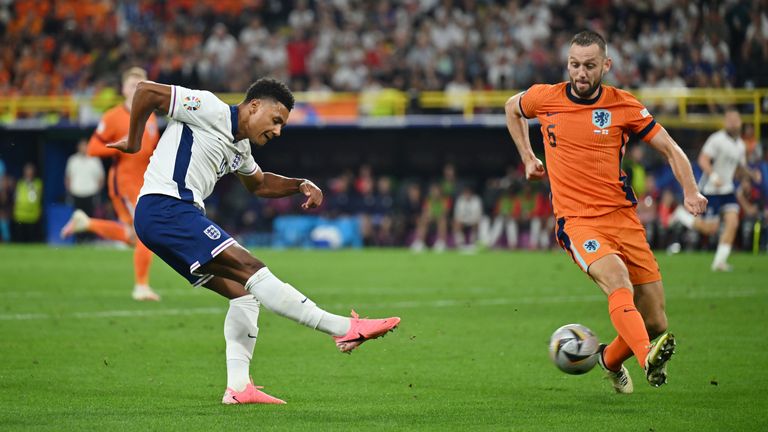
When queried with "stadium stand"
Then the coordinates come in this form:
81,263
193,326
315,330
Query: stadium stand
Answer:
353,59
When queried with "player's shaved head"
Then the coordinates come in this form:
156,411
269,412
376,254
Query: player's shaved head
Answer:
589,37
268,88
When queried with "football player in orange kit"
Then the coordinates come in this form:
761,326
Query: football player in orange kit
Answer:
586,127
126,176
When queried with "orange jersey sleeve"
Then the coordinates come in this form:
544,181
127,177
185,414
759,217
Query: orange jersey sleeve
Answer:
584,143
108,131
126,176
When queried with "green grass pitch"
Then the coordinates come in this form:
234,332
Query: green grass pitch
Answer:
76,353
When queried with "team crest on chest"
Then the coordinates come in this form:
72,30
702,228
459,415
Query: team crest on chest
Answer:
601,118
212,232
191,103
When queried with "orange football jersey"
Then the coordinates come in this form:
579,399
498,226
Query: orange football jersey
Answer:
126,176
584,143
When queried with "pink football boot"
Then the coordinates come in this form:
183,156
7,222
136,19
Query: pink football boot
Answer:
251,395
361,330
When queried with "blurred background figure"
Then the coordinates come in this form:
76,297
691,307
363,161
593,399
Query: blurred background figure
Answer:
434,212
467,214
722,158
27,208
83,179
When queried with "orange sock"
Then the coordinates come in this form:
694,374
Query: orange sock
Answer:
142,259
110,230
616,353
629,323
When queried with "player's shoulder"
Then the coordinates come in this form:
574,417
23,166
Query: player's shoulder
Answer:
547,89
192,94
719,135
116,113
617,94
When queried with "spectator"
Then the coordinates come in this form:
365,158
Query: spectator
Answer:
27,209
83,179
467,214
435,210
503,222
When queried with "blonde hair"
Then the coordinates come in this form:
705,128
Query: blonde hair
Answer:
134,72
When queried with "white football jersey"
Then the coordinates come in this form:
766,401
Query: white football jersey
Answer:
726,154
197,148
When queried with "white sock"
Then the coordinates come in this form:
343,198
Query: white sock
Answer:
240,332
283,299
685,218
721,255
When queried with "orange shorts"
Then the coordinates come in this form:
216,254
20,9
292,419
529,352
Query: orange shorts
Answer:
587,239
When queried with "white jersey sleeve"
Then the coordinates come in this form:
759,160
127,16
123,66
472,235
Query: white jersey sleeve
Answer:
249,166
197,107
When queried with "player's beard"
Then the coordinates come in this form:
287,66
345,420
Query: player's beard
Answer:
587,93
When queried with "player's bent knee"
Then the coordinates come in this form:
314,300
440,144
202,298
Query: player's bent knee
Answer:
656,326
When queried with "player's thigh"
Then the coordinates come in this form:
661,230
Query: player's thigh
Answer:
226,288
234,263
610,273
585,240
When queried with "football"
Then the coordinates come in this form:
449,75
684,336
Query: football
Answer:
572,349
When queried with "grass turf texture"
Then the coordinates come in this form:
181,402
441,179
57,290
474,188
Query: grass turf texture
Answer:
76,353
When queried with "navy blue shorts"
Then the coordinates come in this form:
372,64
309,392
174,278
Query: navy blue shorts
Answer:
720,203
179,233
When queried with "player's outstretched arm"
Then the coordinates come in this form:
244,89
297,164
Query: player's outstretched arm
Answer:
693,200
269,185
518,129
149,96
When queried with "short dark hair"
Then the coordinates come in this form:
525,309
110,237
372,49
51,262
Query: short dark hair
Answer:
272,89
588,37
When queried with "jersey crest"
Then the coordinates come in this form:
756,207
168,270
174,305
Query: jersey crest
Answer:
591,246
601,118
191,103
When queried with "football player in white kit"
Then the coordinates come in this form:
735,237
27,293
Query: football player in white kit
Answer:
206,139
721,159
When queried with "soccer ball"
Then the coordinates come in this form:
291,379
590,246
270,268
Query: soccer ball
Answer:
572,348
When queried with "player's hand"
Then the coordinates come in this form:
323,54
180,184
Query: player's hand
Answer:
121,145
313,193
696,204
534,169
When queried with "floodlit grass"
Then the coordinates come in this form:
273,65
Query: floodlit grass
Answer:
76,353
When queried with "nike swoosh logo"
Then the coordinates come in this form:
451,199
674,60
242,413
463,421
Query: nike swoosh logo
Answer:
550,114
252,337
305,300
630,310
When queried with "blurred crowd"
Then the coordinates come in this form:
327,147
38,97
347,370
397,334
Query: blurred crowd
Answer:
76,46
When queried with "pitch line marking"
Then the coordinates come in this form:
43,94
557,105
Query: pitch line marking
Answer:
394,305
